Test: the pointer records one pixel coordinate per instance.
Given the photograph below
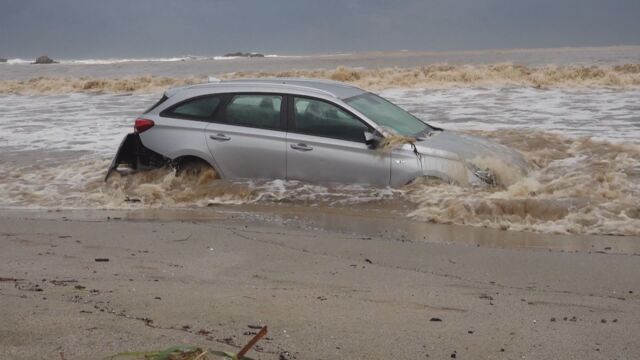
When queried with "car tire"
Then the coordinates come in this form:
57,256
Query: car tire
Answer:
192,167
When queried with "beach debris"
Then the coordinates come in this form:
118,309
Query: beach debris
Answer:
181,352
435,319
44,59
390,143
189,352
63,282
101,259
252,342
184,238
28,287
368,261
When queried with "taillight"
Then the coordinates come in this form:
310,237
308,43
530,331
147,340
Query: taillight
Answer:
143,125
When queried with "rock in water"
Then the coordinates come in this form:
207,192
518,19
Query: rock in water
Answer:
3,60
243,54
44,59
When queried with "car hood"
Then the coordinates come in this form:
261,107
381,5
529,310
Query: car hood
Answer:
475,152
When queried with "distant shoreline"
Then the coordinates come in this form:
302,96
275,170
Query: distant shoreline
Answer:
247,55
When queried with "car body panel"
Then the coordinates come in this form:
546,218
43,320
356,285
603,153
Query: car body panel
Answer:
175,138
405,166
319,159
243,152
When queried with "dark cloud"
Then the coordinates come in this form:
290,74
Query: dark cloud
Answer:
99,28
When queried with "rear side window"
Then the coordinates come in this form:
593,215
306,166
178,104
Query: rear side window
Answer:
258,111
318,118
201,108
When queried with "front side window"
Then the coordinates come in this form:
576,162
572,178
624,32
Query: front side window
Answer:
201,108
318,118
386,114
258,111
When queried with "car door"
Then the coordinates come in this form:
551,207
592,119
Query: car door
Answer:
248,140
325,143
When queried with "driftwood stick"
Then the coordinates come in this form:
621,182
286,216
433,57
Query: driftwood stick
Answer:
252,342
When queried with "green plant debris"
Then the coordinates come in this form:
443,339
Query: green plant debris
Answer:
189,352
179,352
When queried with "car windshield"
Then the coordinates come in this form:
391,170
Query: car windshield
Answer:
386,114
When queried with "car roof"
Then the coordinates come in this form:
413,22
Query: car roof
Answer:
288,85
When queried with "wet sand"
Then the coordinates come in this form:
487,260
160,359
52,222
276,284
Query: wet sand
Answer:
326,287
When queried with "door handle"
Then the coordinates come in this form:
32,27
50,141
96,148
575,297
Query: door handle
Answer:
301,147
219,137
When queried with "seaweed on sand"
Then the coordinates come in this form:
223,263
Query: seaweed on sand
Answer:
189,352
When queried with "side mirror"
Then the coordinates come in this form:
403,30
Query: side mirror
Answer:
372,140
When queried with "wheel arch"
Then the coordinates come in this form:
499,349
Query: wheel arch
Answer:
183,158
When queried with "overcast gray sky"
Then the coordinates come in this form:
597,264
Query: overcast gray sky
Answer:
136,28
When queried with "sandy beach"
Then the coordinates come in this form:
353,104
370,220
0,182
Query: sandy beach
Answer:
326,288
542,267
416,179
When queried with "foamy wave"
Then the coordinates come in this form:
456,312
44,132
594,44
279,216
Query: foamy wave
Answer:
579,186
18,61
432,76
108,61
59,85
505,74
128,60
55,184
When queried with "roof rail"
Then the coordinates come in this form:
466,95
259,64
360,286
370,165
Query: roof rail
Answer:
257,83
292,79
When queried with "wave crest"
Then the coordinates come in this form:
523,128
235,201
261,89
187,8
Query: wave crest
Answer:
430,76
44,85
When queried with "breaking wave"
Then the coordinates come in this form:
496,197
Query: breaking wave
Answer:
431,76
577,186
61,85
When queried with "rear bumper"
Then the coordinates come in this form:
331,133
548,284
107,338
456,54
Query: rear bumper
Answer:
132,154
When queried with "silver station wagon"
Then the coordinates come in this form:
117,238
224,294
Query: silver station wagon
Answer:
302,129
